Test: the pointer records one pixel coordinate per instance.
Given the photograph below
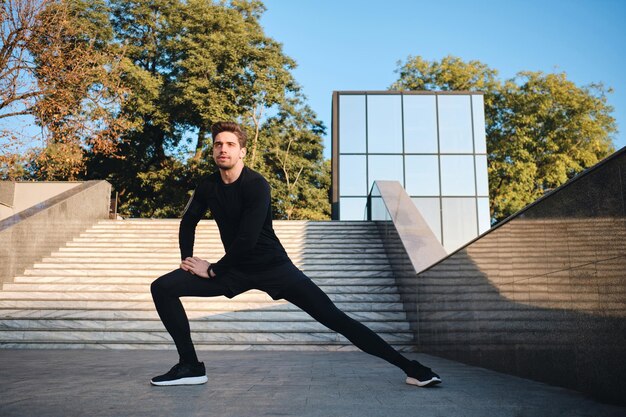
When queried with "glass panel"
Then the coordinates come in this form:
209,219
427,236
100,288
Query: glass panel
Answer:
484,218
457,175
478,110
379,211
353,208
429,208
352,175
385,167
384,124
455,124
482,181
420,124
422,175
351,124
459,222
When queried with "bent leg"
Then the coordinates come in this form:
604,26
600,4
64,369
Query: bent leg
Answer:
310,298
166,293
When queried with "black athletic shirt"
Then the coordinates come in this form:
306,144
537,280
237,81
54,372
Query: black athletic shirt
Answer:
243,215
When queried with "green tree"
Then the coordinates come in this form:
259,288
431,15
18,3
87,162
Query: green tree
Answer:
291,148
546,131
145,176
194,63
541,129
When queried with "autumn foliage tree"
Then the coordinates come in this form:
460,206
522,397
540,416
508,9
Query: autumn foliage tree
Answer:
58,69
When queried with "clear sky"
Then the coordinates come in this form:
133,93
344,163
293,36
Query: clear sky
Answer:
355,45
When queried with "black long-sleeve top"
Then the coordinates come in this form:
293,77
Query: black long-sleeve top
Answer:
243,215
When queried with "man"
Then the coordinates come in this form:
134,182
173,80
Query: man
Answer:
239,199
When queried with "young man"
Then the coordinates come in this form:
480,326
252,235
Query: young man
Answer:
239,199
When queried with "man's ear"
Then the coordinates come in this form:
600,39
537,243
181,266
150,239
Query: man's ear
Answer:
243,152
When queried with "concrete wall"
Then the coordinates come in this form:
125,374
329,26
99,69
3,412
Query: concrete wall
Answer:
543,295
35,232
18,196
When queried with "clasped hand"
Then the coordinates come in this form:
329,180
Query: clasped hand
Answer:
196,266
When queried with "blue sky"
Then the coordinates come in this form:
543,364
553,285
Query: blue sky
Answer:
355,45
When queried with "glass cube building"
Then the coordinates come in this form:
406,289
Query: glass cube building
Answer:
433,143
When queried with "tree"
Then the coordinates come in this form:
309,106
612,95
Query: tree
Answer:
546,131
57,68
194,63
541,129
229,69
121,88
291,149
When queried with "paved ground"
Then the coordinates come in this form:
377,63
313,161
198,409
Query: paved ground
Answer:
94,383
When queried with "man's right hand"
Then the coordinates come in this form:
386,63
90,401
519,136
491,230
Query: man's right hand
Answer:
196,266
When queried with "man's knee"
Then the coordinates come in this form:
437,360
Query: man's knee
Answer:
164,282
157,287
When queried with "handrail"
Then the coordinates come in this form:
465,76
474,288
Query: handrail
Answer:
420,243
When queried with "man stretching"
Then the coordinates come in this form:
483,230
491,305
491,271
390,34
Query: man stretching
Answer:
239,199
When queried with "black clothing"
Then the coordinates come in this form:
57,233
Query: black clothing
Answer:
243,215
254,259
292,285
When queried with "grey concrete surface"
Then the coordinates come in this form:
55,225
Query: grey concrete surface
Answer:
115,383
34,232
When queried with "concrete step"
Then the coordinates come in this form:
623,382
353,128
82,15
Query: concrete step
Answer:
190,303
213,325
140,337
117,265
262,315
321,281
174,251
167,262
257,346
157,272
213,233
309,256
250,296
145,288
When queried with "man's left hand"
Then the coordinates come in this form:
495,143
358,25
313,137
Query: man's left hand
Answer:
196,266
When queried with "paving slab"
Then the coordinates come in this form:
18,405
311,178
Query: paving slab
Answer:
68,383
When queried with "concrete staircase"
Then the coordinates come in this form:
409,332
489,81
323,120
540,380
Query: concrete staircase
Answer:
94,292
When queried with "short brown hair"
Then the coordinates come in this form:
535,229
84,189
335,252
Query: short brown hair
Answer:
231,127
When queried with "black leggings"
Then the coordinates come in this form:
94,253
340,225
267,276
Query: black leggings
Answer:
304,293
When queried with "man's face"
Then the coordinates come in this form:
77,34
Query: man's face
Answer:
226,150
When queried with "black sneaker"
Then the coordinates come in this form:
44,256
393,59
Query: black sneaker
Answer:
182,374
421,376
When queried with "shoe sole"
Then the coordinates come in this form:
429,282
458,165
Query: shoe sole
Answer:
194,380
431,382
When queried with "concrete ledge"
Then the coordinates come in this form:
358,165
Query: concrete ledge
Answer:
17,196
36,231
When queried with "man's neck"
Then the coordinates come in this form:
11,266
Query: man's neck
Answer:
230,175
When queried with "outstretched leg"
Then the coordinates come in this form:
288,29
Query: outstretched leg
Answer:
310,298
